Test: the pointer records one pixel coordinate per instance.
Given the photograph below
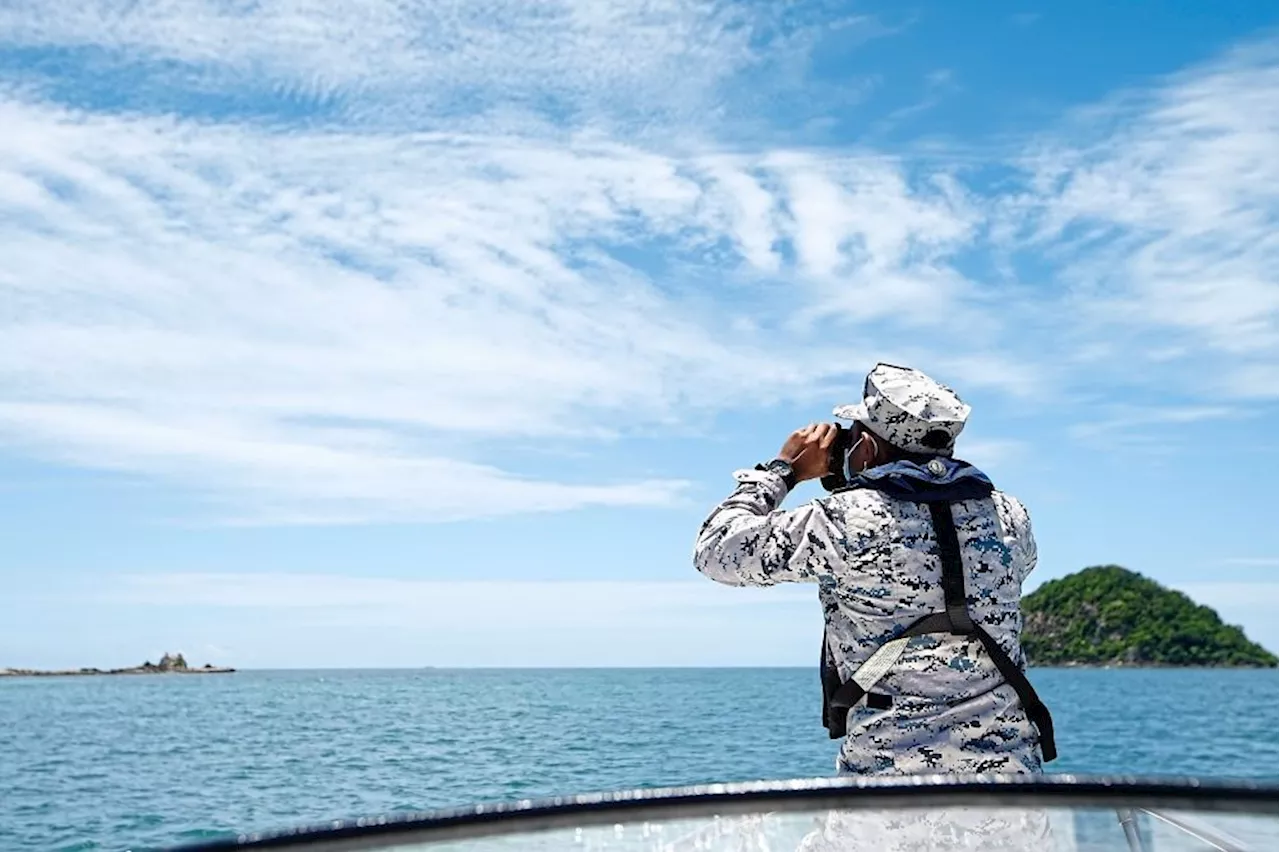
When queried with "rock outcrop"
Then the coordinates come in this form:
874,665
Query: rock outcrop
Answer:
169,664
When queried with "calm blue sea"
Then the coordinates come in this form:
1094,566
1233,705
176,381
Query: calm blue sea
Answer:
135,762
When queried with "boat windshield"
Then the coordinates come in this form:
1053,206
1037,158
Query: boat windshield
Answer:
1066,813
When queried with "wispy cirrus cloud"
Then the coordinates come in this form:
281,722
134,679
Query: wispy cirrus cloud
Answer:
339,322
1157,211
382,63
326,320
1128,426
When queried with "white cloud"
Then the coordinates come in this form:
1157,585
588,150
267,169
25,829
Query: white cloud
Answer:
993,453
331,326
322,324
1158,209
300,475
1130,426
318,45
877,246
424,64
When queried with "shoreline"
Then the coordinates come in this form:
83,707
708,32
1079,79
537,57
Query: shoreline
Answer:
209,669
137,670
1203,666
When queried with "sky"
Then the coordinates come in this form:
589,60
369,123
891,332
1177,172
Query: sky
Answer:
387,333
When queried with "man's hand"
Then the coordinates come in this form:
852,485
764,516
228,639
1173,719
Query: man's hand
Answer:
809,449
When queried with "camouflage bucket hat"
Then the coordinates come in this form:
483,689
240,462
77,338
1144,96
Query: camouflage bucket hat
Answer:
909,410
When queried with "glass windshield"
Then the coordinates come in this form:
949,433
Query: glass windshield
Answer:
1068,815
907,830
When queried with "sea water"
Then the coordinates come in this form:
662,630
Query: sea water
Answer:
132,762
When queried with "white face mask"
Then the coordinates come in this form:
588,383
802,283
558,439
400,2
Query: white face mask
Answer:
849,472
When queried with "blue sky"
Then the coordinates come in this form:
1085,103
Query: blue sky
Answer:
384,333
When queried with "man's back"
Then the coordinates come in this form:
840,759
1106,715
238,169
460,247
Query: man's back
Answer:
950,705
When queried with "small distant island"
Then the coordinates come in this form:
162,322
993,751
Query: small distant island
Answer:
1109,616
169,664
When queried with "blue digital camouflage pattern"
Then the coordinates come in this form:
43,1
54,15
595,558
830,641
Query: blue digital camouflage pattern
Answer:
875,562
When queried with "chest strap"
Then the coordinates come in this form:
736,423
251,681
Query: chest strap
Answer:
839,697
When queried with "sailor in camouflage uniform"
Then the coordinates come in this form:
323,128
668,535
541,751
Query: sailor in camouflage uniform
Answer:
941,705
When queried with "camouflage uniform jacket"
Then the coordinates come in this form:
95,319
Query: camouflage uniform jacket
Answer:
875,562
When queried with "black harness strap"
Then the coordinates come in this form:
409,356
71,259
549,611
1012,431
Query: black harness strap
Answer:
944,527
1035,709
839,697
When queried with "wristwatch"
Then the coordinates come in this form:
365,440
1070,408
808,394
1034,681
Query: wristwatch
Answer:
783,468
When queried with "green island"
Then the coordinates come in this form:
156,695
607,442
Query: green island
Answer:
1109,616
169,664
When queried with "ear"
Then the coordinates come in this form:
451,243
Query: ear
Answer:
864,454
871,447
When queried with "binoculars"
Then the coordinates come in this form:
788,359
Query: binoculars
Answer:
836,476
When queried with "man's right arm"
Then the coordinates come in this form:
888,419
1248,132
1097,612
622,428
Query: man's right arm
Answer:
1019,529
748,541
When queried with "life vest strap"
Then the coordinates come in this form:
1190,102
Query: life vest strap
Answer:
839,697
